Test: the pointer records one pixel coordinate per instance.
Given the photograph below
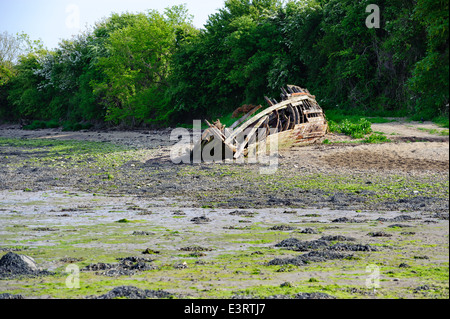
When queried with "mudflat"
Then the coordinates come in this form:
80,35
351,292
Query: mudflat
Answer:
338,220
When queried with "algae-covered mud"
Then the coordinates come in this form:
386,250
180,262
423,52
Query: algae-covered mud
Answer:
108,215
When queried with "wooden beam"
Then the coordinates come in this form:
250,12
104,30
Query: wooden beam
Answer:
216,130
297,115
293,117
269,101
250,135
221,136
253,120
244,118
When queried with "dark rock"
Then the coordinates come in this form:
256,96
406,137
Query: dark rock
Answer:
43,229
290,242
131,292
309,231
149,251
421,257
195,248
297,245
13,265
352,247
408,233
282,228
201,220
337,238
345,220
314,256
127,267
422,288
181,266
379,234
98,267
443,216
142,233
401,218
134,259
311,245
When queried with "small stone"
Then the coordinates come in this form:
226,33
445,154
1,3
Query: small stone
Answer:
181,266
200,220
309,231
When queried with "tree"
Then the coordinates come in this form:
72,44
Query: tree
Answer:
226,65
12,48
138,65
430,76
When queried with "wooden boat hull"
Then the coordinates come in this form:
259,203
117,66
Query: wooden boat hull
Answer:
298,119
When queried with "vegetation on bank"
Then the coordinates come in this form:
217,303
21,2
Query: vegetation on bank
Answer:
157,69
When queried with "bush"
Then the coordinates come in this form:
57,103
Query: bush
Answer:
74,127
39,125
376,138
355,130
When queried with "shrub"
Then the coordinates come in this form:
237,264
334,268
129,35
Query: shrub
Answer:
74,127
39,125
355,130
376,138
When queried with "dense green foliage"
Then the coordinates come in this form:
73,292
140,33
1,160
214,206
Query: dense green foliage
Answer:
355,130
153,68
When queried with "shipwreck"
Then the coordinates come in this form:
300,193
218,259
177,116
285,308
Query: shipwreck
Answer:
297,119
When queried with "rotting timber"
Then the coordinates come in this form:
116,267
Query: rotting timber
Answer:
297,119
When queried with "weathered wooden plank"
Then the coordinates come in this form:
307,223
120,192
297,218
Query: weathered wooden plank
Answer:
288,117
277,115
293,117
243,119
221,136
216,130
297,115
288,123
250,135
253,120
269,101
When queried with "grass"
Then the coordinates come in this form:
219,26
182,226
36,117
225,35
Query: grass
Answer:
246,272
434,131
376,138
356,130
442,121
71,153
236,270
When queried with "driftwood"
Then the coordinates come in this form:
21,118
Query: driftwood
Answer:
298,118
